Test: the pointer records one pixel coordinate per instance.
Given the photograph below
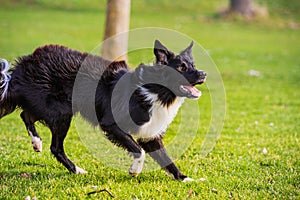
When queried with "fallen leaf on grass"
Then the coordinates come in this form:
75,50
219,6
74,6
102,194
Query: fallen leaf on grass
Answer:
28,198
214,190
253,73
25,175
202,179
190,193
264,151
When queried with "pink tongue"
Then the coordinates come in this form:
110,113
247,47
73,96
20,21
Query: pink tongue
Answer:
196,93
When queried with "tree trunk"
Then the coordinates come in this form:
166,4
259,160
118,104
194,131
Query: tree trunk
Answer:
117,21
244,7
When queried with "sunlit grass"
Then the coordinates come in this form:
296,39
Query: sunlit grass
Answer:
262,112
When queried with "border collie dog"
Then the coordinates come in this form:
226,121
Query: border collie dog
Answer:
54,83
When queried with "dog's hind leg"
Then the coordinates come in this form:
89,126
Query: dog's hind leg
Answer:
29,121
157,151
122,139
59,129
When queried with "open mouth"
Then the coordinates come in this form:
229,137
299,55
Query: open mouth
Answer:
190,91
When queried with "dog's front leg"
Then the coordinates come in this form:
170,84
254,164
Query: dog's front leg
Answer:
157,151
122,139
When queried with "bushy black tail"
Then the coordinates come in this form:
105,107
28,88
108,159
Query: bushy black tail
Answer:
6,102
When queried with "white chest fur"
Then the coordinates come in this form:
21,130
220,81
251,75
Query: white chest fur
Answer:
160,119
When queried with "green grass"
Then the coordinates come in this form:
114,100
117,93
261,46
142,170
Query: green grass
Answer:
262,112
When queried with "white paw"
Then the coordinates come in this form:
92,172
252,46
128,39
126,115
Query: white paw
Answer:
37,144
80,170
137,165
187,179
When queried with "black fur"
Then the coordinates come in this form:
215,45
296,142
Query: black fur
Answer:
55,82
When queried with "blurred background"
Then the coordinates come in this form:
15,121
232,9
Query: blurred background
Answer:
26,24
255,45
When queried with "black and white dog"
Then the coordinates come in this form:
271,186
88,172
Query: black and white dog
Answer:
54,83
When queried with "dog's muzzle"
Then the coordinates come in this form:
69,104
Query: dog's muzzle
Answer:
190,91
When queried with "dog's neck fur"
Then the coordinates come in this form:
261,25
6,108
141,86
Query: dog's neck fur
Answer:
165,96
149,78
162,112
157,105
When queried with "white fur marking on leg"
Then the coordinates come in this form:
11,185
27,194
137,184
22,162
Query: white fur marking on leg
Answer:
36,142
137,165
80,170
187,179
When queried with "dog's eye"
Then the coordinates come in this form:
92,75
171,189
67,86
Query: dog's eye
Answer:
182,67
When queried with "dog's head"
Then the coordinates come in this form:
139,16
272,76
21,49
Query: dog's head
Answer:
183,63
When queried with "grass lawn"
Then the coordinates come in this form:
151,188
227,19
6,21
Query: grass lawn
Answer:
257,155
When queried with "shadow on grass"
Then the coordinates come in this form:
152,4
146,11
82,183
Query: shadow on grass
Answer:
42,172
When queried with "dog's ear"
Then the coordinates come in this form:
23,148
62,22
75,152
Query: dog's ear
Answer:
162,54
188,51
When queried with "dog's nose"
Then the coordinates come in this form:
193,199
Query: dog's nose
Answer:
202,73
